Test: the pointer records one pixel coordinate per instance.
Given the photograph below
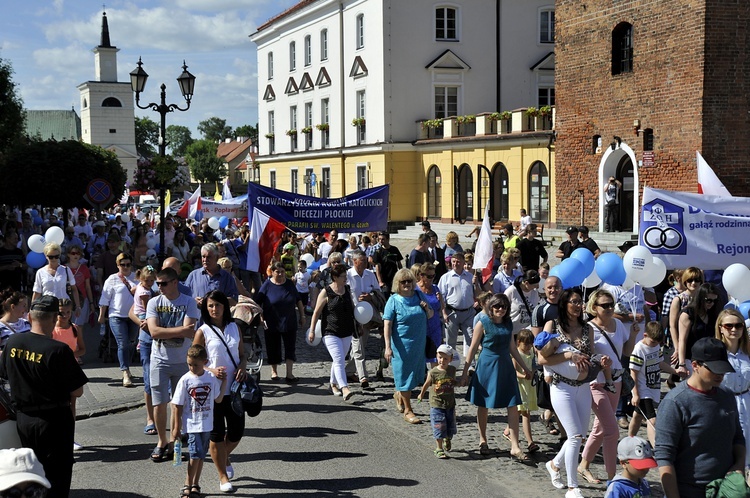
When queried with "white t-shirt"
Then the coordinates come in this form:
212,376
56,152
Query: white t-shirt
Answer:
645,360
525,221
54,285
601,346
302,281
518,312
324,250
170,314
217,352
117,296
197,394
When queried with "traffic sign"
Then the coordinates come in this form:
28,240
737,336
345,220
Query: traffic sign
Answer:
99,192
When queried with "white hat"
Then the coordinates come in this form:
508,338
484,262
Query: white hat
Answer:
20,465
446,349
99,223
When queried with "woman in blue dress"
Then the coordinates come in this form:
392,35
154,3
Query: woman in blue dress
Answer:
405,333
494,384
425,274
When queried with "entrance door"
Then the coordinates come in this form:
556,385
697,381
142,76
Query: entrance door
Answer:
465,193
499,205
627,194
433,192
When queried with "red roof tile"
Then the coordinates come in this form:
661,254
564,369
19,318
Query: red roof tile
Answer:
290,10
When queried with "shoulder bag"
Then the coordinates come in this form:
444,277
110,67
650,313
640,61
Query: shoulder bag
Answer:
627,380
245,396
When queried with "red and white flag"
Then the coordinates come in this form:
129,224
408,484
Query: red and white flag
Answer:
265,235
191,206
483,253
708,182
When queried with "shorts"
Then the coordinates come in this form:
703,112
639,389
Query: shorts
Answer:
163,377
198,445
647,407
443,421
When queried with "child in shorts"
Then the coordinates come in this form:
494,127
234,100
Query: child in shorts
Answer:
548,344
646,365
301,281
636,457
196,392
442,400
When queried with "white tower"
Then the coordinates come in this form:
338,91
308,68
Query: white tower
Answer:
107,110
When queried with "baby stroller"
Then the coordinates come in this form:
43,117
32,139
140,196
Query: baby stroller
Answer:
249,319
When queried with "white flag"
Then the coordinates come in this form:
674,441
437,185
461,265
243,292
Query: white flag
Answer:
708,182
483,253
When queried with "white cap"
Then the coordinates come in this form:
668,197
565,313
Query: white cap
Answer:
20,465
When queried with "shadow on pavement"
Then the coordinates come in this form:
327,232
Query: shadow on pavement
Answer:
292,432
98,493
322,487
292,456
124,453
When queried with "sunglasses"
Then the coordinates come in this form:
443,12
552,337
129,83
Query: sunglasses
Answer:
404,282
164,282
499,307
606,306
576,303
74,254
53,256
694,281
710,300
32,491
732,326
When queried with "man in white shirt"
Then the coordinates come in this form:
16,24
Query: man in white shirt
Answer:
83,227
458,289
325,247
362,282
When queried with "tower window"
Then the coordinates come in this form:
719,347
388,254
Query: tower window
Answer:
111,102
622,48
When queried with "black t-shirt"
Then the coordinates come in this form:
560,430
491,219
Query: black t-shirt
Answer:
388,259
41,370
531,251
591,245
417,257
543,313
567,248
11,278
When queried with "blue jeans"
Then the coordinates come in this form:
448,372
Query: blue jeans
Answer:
123,329
145,344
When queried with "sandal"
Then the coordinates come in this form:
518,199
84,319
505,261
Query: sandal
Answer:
484,449
520,457
158,455
195,491
447,444
506,435
275,378
185,491
335,390
550,425
292,380
588,476
399,404
533,448
348,395
440,454
411,418
150,430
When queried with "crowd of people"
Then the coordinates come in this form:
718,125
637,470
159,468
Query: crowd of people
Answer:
597,351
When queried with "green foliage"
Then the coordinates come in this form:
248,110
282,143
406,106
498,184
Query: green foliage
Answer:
532,111
545,110
178,139
322,126
358,121
432,123
12,115
248,131
146,136
57,173
215,129
205,165
306,130
469,118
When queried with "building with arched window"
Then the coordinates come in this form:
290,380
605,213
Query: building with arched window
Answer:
403,93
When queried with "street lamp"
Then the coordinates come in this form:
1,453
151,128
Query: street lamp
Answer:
186,81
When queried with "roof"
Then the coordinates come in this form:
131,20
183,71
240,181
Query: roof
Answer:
231,150
291,10
53,125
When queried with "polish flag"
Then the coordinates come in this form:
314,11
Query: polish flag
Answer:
192,205
483,253
265,235
708,182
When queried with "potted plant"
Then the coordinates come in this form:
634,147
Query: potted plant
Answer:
306,130
270,135
464,124
544,119
291,133
505,121
322,126
469,118
358,121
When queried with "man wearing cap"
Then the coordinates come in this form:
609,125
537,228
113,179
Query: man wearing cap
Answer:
532,249
44,376
588,242
20,470
570,245
612,205
698,433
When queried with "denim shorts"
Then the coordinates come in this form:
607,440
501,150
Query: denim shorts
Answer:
443,422
198,444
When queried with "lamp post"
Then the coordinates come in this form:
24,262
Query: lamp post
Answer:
186,81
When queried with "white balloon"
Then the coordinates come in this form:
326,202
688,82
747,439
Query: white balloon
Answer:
141,216
657,274
150,242
54,234
307,258
638,263
628,283
363,312
317,337
36,243
125,218
592,280
150,235
735,281
213,222
150,254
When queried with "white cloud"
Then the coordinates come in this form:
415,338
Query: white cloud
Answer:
9,45
73,59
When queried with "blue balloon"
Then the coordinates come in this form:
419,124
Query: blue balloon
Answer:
34,212
609,268
586,257
571,272
38,220
35,259
198,215
745,309
314,266
223,222
731,306
111,217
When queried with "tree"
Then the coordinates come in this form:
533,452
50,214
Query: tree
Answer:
178,139
248,131
12,115
146,136
57,173
215,129
205,165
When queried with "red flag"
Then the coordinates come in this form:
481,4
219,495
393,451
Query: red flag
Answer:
191,206
484,255
265,235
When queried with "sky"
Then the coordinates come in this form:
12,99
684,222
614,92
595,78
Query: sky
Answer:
49,43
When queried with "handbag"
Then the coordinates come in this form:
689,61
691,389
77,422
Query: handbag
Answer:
543,398
430,348
68,285
245,396
627,381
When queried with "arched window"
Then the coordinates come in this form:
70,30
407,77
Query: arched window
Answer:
622,48
111,102
360,31
465,193
434,207
85,103
308,50
539,192
292,56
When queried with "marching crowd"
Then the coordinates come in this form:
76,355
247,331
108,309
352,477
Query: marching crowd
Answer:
528,344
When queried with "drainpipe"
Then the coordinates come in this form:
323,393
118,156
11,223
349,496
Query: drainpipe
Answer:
498,7
342,103
580,192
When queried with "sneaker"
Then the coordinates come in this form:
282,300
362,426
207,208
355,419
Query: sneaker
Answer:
555,476
127,380
623,422
77,447
226,487
574,493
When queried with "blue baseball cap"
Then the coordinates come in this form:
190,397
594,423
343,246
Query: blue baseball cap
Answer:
543,338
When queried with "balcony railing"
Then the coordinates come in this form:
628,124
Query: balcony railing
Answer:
518,121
